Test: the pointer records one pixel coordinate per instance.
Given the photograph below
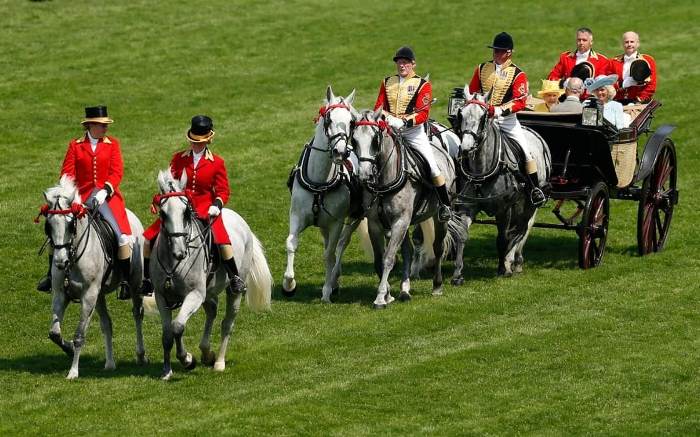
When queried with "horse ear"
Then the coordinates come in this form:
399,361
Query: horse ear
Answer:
467,94
487,97
355,114
329,95
183,180
350,98
378,114
427,77
162,180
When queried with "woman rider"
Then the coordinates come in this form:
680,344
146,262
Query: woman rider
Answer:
207,184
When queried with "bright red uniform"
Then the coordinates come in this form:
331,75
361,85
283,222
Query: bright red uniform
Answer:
508,88
640,93
567,61
100,169
402,98
206,184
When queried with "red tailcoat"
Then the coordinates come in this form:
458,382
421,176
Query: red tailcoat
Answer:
206,184
100,169
567,61
640,93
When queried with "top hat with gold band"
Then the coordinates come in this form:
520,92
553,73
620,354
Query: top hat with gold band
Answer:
640,70
96,114
550,87
584,70
202,129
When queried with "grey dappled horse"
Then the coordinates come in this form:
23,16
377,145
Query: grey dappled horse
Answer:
180,269
397,197
490,171
81,271
320,194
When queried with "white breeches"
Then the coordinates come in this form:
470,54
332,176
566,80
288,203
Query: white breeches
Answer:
510,126
418,140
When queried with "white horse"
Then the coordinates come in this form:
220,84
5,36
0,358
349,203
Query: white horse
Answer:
321,189
81,271
180,272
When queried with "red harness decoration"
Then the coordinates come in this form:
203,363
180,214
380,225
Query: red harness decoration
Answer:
326,109
477,102
158,198
76,209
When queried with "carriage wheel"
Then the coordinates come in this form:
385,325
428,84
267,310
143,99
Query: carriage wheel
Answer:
657,202
593,229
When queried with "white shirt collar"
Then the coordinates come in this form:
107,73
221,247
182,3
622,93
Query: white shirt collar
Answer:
93,141
197,156
580,57
631,57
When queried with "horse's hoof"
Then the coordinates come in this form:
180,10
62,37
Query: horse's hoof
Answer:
109,365
289,293
404,297
219,366
334,291
142,359
192,364
457,281
166,375
379,306
208,359
73,374
437,292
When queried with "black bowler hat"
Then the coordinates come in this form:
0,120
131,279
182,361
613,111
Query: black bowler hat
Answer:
202,129
640,70
583,71
502,41
96,114
405,52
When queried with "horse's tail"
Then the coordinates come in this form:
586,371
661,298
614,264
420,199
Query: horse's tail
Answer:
365,241
259,279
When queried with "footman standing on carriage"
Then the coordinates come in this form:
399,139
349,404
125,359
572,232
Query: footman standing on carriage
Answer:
507,88
94,161
208,187
405,99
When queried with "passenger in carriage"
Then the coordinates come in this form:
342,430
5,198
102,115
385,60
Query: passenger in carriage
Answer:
550,93
94,161
405,99
208,188
636,72
572,102
506,85
612,110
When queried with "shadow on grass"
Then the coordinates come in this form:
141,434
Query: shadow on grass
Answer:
90,366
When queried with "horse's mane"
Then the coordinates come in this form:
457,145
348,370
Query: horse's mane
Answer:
64,190
168,183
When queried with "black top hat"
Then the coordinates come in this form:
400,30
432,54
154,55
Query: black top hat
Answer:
583,71
202,129
502,41
405,52
96,114
640,70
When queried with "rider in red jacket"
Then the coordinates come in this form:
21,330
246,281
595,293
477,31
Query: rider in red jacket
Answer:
208,187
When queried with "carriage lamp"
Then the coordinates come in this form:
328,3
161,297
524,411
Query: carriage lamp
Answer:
453,105
592,113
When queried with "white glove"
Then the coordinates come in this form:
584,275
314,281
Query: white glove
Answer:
497,111
214,211
629,82
101,196
395,122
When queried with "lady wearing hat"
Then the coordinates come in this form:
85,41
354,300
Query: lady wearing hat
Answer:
550,93
94,161
207,183
604,90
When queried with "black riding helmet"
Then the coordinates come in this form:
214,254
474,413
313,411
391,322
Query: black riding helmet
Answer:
405,52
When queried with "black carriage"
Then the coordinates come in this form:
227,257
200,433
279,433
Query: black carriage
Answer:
592,161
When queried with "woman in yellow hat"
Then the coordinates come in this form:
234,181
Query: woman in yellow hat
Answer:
550,93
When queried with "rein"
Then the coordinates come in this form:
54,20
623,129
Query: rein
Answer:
376,189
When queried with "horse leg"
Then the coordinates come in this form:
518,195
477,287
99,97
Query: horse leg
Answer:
376,235
503,225
87,308
460,242
190,305
106,326
398,233
59,305
137,313
438,247
289,284
210,306
331,238
167,336
343,243
233,305
518,260
407,255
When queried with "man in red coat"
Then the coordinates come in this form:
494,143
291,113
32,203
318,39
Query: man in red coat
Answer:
584,53
208,187
405,99
636,72
94,162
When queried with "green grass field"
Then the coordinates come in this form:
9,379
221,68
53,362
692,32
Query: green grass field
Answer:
557,350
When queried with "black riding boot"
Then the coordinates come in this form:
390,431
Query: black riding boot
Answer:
45,282
146,288
124,266
444,213
537,197
236,284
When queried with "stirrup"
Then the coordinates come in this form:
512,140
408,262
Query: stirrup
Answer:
537,197
236,285
444,214
124,292
146,288
44,284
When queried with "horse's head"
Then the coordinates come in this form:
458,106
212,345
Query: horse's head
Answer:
367,139
471,119
62,210
337,117
176,213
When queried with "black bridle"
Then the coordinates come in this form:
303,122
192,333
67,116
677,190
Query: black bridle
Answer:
333,139
478,136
